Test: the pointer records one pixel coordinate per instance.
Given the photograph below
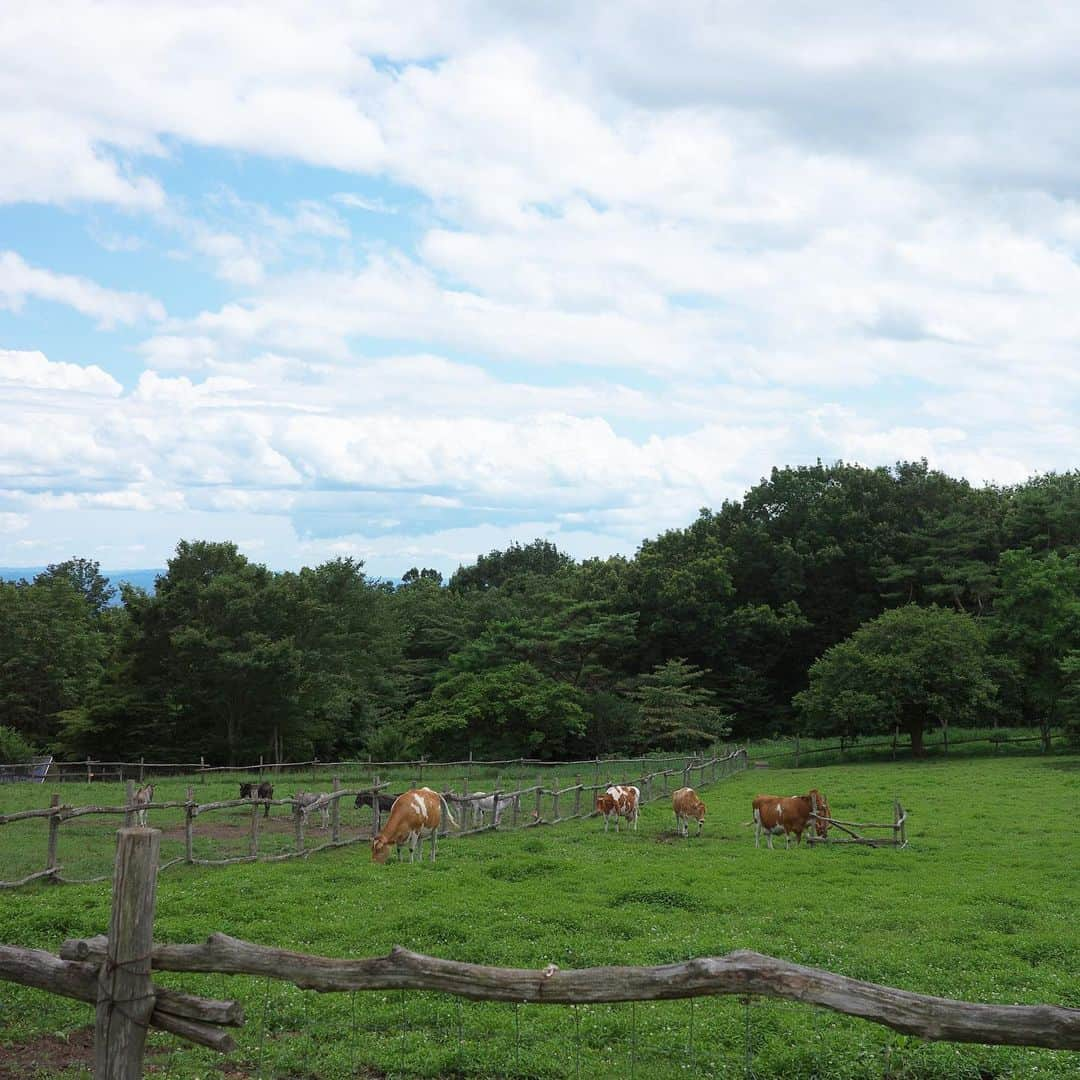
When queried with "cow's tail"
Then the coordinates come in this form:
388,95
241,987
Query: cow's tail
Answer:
446,809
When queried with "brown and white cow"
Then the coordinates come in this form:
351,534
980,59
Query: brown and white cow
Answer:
777,814
687,805
142,798
415,814
619,801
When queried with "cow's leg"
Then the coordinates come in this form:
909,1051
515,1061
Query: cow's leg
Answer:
757,829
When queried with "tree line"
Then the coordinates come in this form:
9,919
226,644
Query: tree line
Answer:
831,600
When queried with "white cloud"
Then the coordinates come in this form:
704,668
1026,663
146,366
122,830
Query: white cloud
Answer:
604,264
34,371
19,281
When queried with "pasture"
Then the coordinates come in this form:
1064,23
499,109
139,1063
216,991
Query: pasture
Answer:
981,906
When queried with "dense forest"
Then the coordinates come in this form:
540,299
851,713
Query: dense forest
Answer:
832,599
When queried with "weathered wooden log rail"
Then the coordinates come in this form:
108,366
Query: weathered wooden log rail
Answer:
653,786
898,826
738,973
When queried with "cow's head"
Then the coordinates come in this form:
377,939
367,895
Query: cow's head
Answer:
380,848
821,827
699,812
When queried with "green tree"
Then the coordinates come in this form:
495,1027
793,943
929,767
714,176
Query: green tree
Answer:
1037,626
51,652
14,749
906,669
677,713
541,557
85,577
512,710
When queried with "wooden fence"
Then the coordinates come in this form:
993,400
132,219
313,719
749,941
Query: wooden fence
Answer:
898,827
549,806
93,770
795,752
115,973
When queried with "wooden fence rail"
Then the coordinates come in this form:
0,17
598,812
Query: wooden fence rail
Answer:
694,771
738,973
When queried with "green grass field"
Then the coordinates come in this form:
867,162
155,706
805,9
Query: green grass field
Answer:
981,906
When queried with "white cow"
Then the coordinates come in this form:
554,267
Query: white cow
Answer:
142,798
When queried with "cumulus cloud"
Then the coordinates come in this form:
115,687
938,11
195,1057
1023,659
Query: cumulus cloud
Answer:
575,269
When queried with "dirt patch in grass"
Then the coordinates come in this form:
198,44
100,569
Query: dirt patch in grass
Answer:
47,1054
50,1054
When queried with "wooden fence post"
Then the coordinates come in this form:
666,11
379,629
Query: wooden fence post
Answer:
129,798
495,806
686,775
554,799
202,769
253,841
260,766
298,820
142,770
796,751
189,814
376,814
54,835
89,774
125,988
539,794
577,796
335,813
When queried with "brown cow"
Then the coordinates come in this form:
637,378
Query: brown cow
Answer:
414,815
687,805
619,801
776,814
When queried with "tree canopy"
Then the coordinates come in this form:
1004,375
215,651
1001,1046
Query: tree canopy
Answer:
830,598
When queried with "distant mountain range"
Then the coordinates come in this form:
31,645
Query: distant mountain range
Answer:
142,578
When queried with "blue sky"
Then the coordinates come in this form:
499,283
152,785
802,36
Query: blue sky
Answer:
411,284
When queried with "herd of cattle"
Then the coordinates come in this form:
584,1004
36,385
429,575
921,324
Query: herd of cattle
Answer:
417,813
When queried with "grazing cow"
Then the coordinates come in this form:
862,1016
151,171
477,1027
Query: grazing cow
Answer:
619,801
370,798
414,815
249,789
486,805
687,805
775,814
306,801
142,798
